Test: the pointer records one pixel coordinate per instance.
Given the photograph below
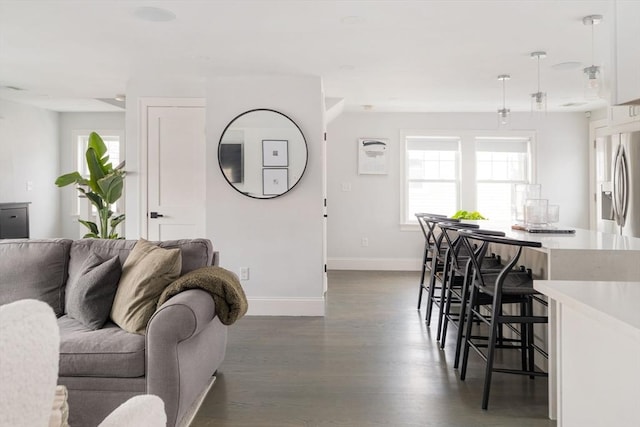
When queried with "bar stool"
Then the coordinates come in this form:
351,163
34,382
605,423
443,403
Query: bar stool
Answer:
429,245
439,262
456,290
496,289
449,279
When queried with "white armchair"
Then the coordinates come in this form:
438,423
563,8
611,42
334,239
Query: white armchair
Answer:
29,352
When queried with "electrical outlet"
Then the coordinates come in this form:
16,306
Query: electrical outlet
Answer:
364,242
29,185
244,273
346,186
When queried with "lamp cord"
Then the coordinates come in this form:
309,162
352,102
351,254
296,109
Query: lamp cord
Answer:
504,89
538,73
593,49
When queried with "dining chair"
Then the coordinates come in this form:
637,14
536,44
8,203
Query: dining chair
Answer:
490,293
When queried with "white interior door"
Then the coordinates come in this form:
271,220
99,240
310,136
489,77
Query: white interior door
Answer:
175,172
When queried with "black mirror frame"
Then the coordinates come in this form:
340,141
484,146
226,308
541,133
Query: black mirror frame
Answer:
306,158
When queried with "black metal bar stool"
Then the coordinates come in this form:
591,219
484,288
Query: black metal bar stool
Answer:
494,290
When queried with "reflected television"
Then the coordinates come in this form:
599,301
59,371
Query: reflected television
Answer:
231,161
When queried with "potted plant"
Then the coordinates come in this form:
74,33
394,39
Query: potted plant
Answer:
103,188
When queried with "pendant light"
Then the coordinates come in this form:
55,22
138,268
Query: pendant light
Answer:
539,99
503,113
592,73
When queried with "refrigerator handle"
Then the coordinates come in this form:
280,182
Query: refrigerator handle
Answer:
616,187
624,178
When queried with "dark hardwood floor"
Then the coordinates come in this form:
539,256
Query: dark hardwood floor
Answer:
370,362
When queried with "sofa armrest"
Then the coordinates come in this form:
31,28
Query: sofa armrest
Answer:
182,316
185,344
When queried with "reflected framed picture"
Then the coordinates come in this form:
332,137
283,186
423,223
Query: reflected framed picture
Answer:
275,153
275,181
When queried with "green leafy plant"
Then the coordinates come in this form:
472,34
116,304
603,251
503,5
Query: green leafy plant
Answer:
103,188
467,215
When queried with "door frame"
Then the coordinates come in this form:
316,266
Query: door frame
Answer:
597,128
143,106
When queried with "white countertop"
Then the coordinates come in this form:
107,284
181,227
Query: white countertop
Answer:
614,302
581,240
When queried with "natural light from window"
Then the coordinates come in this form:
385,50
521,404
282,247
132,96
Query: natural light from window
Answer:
500,163
113,149
470,170
433,175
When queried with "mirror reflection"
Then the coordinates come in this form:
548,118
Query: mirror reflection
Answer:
262,153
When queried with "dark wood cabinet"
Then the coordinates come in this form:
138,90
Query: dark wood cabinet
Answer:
14,220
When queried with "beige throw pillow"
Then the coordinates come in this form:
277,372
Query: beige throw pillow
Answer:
146,272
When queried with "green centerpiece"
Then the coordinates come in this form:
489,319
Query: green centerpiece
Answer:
468,215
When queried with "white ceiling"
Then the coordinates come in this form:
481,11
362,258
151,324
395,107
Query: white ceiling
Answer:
392,55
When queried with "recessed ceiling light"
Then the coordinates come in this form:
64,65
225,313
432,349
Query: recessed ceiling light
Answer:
16,88
566,66
367,107
573,104
154,14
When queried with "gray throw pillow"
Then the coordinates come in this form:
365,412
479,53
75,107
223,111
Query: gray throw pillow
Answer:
89,299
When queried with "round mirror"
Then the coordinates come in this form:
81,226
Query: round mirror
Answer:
262,153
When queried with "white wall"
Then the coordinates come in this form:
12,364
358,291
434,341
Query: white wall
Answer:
29,153
70,122
372,208
280,239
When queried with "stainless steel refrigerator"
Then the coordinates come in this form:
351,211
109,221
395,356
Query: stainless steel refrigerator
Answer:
618,175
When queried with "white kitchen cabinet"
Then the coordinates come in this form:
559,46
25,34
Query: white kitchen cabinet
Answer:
626,52
624,114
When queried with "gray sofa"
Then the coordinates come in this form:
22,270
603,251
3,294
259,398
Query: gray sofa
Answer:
185,342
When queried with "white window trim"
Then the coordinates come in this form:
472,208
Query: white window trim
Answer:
467,162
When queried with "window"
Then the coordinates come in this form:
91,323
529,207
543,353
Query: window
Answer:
432,174
113,149
471,170
500,163
113,142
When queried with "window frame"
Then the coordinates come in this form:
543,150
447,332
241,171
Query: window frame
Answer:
81,206
467,164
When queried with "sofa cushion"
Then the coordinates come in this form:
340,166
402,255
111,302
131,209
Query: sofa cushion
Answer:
106,352
82,248
196,253
89,299
146,272
35,269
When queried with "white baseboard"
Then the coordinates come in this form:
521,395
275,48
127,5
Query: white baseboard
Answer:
375,264
286,306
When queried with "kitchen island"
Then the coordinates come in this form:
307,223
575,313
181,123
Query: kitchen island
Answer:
585,255
598,343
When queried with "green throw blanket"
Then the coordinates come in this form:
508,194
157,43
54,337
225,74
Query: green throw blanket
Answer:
223,285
